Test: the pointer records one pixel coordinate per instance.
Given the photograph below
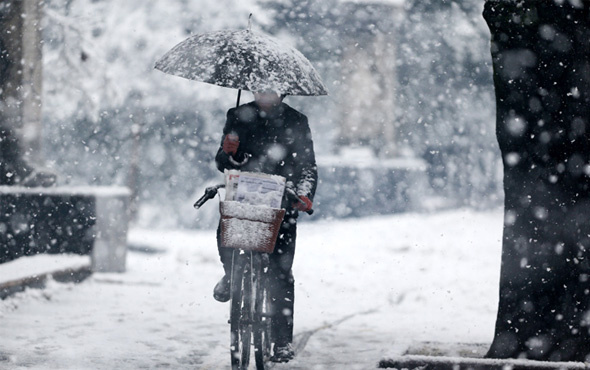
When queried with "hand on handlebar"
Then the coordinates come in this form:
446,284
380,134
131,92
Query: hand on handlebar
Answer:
304,205
301,203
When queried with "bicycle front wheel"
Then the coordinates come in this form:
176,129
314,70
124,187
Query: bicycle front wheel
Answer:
262,319
241,310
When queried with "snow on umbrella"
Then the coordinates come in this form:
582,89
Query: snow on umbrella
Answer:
243,60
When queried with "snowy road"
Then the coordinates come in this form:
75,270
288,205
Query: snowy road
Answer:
364,289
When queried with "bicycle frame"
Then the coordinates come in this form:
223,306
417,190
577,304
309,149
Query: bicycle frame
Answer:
250,317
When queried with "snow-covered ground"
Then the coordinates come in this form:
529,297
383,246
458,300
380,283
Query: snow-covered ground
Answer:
365,289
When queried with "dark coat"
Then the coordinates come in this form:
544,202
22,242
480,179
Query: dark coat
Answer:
280,144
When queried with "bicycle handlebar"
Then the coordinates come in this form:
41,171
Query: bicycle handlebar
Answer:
211,192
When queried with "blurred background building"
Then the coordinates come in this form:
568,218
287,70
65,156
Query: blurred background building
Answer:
408,124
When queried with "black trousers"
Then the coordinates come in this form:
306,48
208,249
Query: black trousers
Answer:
282,283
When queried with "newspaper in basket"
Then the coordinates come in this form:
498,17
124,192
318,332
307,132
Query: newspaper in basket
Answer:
250,215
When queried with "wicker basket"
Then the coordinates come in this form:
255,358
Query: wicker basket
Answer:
250,227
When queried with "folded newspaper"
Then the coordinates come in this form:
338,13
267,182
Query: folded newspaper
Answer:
254,188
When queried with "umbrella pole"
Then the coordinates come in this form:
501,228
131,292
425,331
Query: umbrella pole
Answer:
239,94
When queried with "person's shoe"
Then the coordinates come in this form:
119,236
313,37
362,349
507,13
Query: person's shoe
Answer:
283,353
221,292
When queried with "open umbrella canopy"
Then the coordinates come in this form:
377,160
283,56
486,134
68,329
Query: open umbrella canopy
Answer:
243,60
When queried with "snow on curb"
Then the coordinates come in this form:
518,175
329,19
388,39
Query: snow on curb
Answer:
33,271
452,363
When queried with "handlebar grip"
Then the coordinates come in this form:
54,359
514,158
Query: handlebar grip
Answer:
202,200
210,193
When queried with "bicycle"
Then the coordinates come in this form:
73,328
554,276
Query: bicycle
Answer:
250,312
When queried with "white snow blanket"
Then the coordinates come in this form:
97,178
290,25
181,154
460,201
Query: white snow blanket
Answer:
365,289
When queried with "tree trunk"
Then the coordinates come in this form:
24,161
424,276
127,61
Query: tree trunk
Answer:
541,61
21,74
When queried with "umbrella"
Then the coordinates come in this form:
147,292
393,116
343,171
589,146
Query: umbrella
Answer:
243,60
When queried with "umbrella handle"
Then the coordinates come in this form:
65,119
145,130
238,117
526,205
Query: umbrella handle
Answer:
239,94
239,164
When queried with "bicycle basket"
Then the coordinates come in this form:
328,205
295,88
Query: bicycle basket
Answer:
249,227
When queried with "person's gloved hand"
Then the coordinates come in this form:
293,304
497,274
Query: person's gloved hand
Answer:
303,207
231,142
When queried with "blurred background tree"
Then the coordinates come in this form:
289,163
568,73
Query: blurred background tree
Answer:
541,59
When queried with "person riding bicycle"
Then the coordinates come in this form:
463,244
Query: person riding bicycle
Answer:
275,139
